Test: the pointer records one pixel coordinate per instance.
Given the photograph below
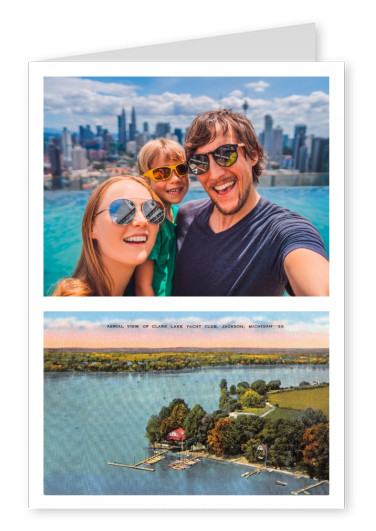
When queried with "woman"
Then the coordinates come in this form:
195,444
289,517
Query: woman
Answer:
119,229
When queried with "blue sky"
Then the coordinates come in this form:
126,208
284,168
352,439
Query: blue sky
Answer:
101,317
143,329
70,102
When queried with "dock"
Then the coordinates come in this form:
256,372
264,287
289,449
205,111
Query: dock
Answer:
305,489
153,458
132,466
148,461
249,474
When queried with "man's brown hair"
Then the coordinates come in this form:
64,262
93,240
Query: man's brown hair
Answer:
207,125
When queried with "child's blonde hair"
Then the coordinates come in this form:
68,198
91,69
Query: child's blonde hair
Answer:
170,149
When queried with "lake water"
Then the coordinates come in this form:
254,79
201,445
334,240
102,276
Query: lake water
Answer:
90,419
63,211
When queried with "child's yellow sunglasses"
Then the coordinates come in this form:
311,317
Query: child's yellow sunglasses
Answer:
164,173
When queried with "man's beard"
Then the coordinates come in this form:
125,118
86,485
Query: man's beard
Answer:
242,201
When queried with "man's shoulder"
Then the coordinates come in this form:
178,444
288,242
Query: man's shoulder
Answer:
191,209
278,214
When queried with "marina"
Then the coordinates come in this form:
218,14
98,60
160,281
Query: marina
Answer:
74,450
148,461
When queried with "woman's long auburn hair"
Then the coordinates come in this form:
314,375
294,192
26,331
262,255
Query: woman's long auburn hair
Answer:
90,278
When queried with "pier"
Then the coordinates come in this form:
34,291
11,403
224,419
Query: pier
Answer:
249,474
148,461
132,466
306,489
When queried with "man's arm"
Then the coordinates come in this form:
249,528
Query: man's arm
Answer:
307,272
143,278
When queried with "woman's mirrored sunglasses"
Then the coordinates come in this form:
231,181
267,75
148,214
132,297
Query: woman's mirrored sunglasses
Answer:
225,156
123,211
164,173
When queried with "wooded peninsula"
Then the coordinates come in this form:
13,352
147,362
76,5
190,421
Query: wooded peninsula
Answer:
284,428
61,360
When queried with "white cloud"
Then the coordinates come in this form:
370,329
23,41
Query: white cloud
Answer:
236,93
70,323
260,86
71,102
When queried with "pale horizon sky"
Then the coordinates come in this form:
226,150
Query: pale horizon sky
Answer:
73,101
170,330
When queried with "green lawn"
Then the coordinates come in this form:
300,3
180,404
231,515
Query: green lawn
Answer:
285,413
255,410
301,399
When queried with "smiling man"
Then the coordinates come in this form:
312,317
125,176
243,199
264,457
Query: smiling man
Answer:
236,242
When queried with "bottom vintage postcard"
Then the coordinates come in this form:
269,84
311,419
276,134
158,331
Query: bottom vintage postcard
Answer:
188,406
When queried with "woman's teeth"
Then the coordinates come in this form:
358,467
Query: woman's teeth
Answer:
136,239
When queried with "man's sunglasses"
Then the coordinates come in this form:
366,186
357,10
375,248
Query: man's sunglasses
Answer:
123,211
164,172
224,156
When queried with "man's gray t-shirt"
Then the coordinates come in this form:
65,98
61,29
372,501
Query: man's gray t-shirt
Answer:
246,259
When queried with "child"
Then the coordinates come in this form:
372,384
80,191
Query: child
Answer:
162,163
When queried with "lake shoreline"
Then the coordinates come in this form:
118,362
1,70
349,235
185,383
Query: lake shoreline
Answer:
241,460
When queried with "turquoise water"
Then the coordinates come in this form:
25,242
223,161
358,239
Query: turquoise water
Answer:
90,419
63,211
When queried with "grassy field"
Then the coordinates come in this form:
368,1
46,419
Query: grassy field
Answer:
300,399
255,410
285,413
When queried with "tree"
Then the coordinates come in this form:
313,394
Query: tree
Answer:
233,390
251,398
219,438
315,450
244,428
223,384
259,386
209,421
226,402
313,416
283,438
175,419
274,385
153,432
193,421
251,451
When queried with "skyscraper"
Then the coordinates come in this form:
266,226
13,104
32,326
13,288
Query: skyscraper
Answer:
179,134
320,155
268,137
132,125
122,130
66,144
302,159
299,141
277,141
86,135
54,156
79,158
161,130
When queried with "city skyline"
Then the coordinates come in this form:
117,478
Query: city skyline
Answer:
71,102
129,330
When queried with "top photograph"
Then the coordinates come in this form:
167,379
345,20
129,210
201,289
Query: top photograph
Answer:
186,186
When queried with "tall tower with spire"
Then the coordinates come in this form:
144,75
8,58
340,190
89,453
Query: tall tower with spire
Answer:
132,125
245,104
122,128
